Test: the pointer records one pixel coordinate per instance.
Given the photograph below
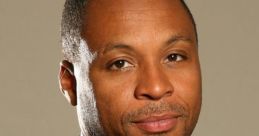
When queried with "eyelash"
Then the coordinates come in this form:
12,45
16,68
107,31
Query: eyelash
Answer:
121,62
179,58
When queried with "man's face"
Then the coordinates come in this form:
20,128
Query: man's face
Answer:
146,75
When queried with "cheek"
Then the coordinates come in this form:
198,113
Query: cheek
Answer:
116,90
187,86
113,95
187,90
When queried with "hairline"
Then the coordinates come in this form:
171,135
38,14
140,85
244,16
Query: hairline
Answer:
72,23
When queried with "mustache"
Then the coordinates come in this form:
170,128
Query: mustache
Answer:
155,109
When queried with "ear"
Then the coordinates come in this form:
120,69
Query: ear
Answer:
67,82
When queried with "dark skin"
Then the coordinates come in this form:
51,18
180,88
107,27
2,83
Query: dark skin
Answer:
146,76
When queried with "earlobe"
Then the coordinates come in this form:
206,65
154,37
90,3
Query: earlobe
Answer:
67,82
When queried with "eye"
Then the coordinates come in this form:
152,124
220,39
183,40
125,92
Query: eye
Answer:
120,65
175,57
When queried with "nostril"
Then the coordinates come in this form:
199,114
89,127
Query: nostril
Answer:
149,97
168,93
152,95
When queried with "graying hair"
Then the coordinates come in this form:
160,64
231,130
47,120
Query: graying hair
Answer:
76,51
71,26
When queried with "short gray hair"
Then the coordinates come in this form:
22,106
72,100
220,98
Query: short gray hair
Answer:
71,26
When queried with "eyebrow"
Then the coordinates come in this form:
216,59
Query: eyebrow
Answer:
173,40
177,38
110,47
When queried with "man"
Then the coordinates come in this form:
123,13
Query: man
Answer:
131,67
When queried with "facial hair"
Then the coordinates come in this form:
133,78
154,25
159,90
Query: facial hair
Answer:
86,104
153,108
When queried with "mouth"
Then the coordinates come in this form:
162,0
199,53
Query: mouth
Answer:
157,123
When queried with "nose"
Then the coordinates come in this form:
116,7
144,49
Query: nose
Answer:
153,84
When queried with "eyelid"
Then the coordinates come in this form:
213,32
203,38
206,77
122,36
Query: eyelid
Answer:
126,66
126,59
181,53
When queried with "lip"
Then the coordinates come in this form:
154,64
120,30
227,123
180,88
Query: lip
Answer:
157,123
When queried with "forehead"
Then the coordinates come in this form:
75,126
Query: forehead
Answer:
134,21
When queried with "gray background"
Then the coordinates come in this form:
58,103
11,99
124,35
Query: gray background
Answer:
31,104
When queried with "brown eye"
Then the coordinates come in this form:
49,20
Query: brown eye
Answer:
175,57
120,64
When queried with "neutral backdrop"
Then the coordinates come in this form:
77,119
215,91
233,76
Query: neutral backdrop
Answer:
30,51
